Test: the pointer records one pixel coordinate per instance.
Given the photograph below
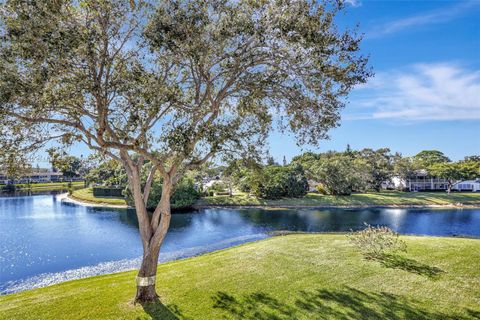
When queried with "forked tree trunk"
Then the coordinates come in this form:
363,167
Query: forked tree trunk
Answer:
159,224
152,230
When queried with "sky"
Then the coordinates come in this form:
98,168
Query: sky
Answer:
426,89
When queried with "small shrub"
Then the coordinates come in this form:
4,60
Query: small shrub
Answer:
321,189
375,242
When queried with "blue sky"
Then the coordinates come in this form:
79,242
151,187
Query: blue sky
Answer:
426,91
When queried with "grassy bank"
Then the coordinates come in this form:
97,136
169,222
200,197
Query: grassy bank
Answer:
360,199
48,186
290,277
87,196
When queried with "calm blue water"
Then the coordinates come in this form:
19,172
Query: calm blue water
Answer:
45,241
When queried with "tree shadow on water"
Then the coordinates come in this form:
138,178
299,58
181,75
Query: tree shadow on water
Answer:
343,304
157,310
395,261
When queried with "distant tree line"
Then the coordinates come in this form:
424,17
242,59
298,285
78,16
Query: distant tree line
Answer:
344,172
332,172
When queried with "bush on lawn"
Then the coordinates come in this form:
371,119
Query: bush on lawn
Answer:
375,242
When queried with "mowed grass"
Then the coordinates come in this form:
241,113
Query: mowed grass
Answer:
49,186
301,276
87,195
387,198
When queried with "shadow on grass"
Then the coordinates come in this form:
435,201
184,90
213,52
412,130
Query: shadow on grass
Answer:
157,310
474,314
347,303
395,261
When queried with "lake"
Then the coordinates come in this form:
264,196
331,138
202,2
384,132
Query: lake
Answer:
45,241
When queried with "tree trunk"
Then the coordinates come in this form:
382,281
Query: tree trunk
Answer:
146,277
160,223
152,230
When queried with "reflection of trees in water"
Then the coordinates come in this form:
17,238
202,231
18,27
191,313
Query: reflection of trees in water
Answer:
26,193
128,217
24,203
309,220
275,219
452,218
328,220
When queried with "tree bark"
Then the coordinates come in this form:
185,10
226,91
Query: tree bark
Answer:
146,278
146,291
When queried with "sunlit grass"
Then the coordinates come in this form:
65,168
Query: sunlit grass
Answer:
49,186
288,277
87,195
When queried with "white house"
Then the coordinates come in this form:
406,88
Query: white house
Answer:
420,181
38,175
467,185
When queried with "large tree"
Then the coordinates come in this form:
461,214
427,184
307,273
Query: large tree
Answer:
450,171
172,86
375,166
427,158
338,173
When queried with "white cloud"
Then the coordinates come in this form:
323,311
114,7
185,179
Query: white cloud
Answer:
423,92
431,17
353,3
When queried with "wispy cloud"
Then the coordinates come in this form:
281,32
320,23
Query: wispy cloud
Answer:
428,92
353,3
442,15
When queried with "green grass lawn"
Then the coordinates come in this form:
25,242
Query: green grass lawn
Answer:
49,186
358,199
87,195
289,277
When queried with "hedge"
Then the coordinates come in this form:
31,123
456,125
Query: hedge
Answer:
108,192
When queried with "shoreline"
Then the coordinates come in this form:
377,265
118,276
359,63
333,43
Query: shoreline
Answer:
64,197
365,206
70,199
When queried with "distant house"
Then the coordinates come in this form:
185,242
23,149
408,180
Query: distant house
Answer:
467,185
36,176
420,181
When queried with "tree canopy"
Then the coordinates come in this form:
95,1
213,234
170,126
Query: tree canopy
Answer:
173,84
426,158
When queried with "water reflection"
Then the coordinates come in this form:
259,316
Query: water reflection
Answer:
44,240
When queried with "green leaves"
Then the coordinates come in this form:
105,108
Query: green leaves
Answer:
176,84
274,182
